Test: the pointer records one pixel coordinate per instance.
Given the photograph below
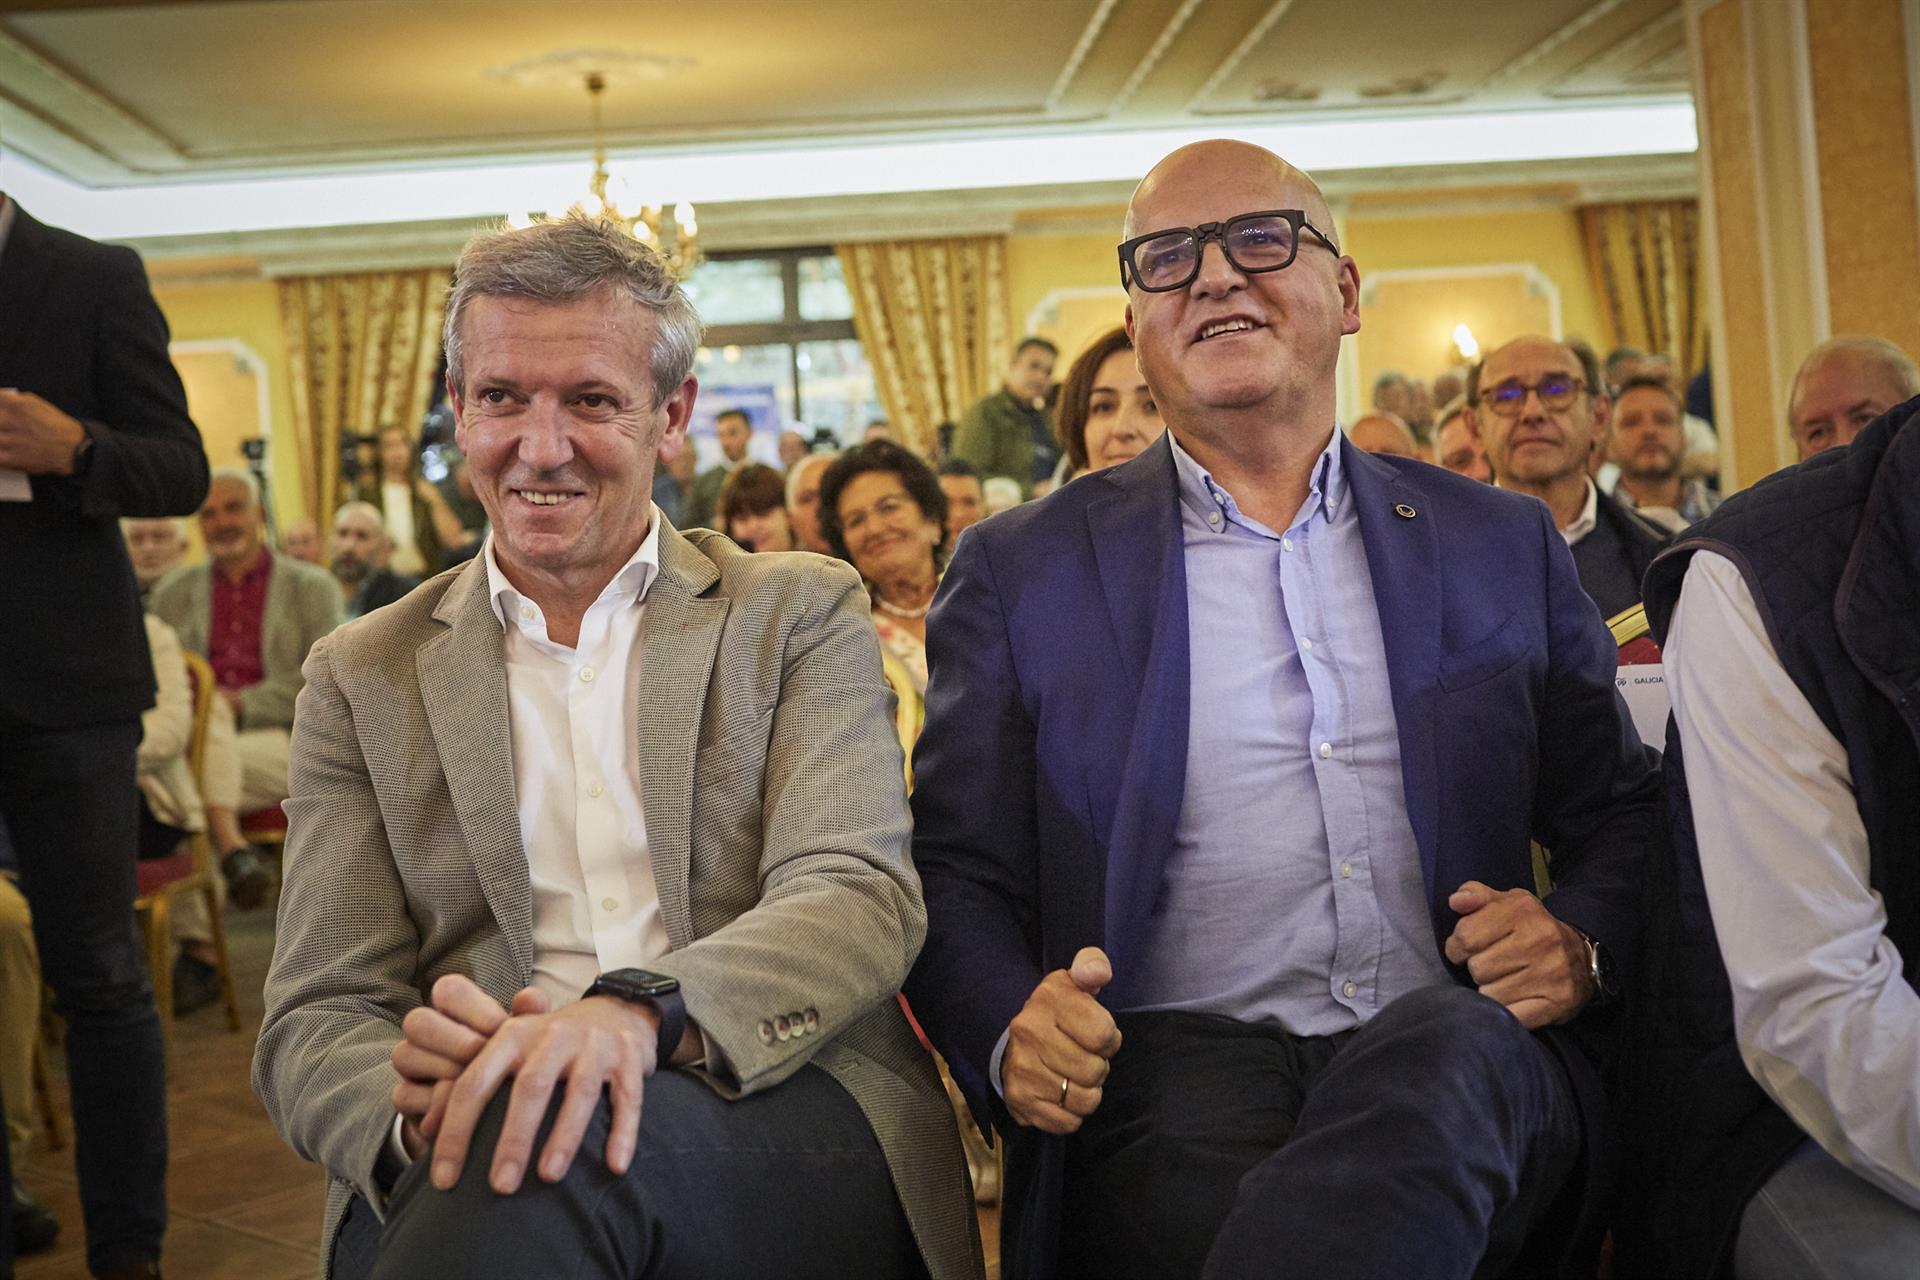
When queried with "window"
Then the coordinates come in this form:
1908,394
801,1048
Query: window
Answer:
780,343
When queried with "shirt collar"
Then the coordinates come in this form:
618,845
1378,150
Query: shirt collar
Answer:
632,581
1589,516
1204,497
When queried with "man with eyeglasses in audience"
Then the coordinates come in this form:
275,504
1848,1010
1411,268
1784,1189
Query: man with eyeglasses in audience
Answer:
1538,407
1842,385
1224,805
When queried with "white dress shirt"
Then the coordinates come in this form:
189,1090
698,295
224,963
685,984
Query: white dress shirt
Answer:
574,717
1589,517
1825,1021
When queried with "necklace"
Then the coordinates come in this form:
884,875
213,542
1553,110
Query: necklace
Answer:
897,611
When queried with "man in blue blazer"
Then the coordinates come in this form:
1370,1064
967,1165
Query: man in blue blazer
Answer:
1233,763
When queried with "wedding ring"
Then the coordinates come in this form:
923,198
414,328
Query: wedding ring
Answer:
1063,1092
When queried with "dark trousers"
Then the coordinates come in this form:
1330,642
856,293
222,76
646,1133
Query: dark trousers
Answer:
788,1184
68,800
1421,1145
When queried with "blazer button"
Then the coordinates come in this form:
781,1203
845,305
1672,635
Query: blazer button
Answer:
766,1032
812,1018
782,1029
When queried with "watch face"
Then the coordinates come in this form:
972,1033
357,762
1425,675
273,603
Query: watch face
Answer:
642,983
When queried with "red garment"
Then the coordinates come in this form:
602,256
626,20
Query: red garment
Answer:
233,644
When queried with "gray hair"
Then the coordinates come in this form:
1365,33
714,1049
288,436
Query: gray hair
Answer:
800,469
244,476
1895,363
564,260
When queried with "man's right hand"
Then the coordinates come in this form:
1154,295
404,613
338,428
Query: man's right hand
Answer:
440,1040
1062,1035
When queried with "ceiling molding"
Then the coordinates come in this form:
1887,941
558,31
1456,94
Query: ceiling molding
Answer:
1248,43
1089,35
1151,59
1623,49
63,108
1554,41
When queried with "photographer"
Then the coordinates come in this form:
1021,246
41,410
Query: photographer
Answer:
422,526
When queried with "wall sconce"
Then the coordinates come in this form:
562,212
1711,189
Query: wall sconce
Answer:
1465,348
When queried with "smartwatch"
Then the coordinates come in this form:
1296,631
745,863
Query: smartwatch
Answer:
640,986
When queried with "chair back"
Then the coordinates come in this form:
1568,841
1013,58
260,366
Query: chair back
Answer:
200,677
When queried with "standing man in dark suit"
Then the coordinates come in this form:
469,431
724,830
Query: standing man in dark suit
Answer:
1232,759
93,426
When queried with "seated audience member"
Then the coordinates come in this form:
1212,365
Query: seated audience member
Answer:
1447,388
155,548
419,523
1385,433
1777,1062
253,615
1392,394
1701,460
878,429
1538,408
1218,936
729,955
34,1226
803,503
793,447
966,497
1648,443
673,481
753,509
999,493
300,541
1107,416
1457,447
362,560
1842,385
1622,363
733,428
1009,433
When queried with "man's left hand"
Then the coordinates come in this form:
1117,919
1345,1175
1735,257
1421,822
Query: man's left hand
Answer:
1519,954
35,437
593,1044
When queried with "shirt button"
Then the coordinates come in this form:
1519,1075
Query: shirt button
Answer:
1347,989
1326,751
1213,518
1286,544
586,675
1306,642
526,612
594,790
1346,871
610,903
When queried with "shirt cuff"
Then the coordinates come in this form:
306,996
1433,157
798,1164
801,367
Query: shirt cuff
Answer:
993,1063
396,1145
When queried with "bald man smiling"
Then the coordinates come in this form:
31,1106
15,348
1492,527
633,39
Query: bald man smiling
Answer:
1223,808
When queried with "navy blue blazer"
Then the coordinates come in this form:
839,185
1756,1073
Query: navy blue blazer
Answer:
1048,778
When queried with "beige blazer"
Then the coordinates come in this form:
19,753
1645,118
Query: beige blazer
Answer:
778,829
303,604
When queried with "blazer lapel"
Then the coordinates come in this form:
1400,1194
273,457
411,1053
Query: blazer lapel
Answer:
463,685
681,634
1138,547
25,265
1401,537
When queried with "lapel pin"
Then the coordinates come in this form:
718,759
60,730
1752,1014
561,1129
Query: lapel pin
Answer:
1404,511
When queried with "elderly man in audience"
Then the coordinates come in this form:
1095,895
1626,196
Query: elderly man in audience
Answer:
1648,443
1107,415
753,509
1233,759
803,503
300,541
793,447
733,428
1392,394
1457,447
361,557
966,497
1779,1071
253,615
1842,385
491,953
1538,408
155,547
1385,433
1009,432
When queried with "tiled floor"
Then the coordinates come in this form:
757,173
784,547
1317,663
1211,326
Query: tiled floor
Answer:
243,1207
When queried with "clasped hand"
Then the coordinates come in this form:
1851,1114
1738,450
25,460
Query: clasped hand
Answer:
459,1050
1519,954
1062,1035
35,437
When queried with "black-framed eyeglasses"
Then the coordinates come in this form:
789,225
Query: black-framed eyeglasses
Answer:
1556,391
1162,261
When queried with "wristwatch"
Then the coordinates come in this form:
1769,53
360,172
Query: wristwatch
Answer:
1600,964
640,986
82,454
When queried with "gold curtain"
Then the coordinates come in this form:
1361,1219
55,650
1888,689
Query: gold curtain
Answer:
361,352
1648,276
932,315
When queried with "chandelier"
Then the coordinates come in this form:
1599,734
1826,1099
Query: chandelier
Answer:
649,224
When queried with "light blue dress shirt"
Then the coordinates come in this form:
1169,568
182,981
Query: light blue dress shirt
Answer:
1294,894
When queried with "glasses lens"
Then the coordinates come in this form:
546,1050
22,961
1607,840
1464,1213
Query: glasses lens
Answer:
1165,260
1557,392
1260,244
1507,399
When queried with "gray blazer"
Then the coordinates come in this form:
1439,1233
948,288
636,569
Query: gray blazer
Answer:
303,604
778,830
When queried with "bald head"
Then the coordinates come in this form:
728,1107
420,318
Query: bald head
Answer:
1203,161
1844,384
1384,433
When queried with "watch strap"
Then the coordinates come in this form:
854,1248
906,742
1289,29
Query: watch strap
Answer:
630,986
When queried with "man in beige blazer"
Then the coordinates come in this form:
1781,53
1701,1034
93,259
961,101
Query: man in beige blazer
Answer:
597,889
